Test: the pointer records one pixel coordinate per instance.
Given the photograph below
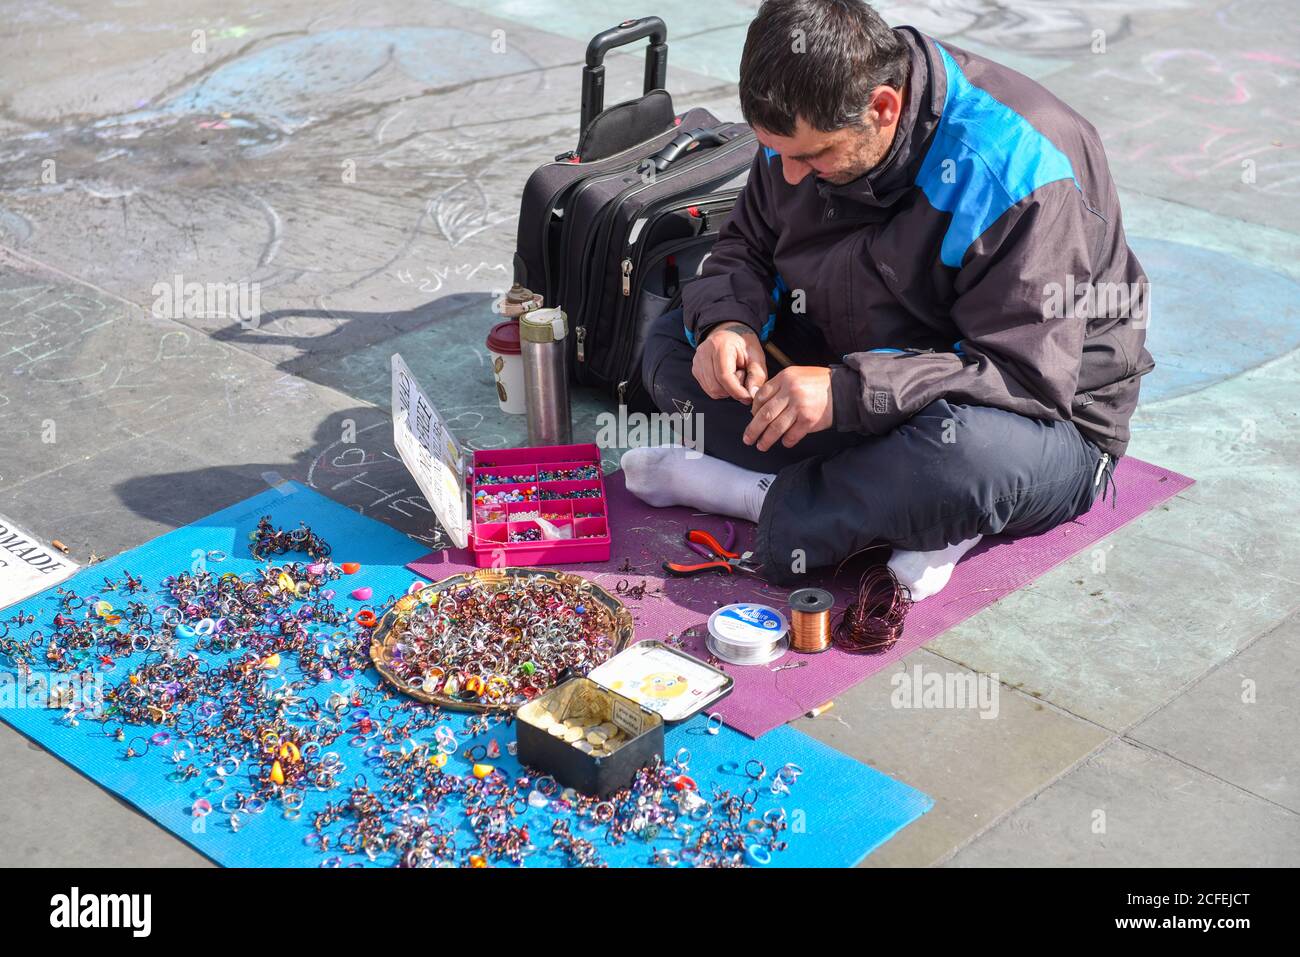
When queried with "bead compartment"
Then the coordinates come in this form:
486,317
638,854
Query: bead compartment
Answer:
564,480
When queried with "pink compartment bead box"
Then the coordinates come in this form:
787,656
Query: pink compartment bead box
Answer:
560,484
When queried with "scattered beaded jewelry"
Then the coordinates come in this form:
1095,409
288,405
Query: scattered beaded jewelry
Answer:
267,541
223,682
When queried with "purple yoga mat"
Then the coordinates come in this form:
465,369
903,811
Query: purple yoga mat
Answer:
764,699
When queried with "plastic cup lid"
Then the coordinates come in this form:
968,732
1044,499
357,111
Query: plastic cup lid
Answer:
503,339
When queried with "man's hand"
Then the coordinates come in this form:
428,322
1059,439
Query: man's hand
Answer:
730,362
795,402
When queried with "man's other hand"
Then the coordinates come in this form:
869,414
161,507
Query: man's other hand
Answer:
730,362
795,402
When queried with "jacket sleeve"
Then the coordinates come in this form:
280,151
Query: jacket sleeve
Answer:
735,282
1016,352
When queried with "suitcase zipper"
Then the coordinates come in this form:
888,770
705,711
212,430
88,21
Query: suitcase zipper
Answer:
635,155
664,252
566,230
560,292
712,203
575,189
551,296
739,142
629,266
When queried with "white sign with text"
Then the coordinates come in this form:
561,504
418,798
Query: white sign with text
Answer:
27,566
430,453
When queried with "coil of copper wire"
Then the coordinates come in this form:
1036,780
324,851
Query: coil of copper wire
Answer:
810,620
873,622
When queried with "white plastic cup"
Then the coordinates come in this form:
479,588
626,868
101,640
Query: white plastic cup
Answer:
507,366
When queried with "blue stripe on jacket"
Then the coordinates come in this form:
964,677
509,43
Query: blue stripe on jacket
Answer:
984,158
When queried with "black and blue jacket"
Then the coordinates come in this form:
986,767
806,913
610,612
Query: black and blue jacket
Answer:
983,260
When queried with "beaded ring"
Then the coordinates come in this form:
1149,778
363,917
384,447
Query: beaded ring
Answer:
267,540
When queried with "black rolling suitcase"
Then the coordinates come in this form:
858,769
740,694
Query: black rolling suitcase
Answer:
612,230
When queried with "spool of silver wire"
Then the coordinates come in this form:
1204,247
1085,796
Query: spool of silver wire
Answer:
748,634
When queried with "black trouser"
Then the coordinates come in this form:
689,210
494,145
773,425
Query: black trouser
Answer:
950,472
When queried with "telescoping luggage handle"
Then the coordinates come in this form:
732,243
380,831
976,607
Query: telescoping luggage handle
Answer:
629,31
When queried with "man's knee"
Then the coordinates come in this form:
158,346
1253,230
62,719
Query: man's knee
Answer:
951,443
1012,468
951,464
666,361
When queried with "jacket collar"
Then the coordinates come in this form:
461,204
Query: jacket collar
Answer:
894,176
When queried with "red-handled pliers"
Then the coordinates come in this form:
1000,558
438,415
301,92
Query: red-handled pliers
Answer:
721,558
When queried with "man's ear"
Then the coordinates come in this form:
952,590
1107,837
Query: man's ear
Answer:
885,107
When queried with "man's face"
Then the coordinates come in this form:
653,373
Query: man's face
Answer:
844,155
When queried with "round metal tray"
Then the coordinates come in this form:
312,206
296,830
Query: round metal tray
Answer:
617,620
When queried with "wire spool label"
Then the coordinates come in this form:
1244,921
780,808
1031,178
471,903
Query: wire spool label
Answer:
749,623
747,634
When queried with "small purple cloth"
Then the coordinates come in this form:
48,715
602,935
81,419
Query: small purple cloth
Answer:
764,699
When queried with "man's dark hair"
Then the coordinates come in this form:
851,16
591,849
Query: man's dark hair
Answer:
819,59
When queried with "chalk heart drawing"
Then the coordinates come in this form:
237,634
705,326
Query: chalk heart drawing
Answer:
349,458
367,475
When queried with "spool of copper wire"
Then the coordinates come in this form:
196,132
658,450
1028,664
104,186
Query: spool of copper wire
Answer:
810,620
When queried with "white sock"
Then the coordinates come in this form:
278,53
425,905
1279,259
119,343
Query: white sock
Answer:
925,573
665,475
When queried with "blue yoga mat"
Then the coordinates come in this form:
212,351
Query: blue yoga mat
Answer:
838,811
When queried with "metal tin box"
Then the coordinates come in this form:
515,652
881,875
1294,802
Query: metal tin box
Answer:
636,692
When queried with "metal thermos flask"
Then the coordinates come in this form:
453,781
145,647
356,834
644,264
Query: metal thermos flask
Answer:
542,334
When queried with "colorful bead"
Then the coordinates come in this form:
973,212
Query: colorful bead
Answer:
581,473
